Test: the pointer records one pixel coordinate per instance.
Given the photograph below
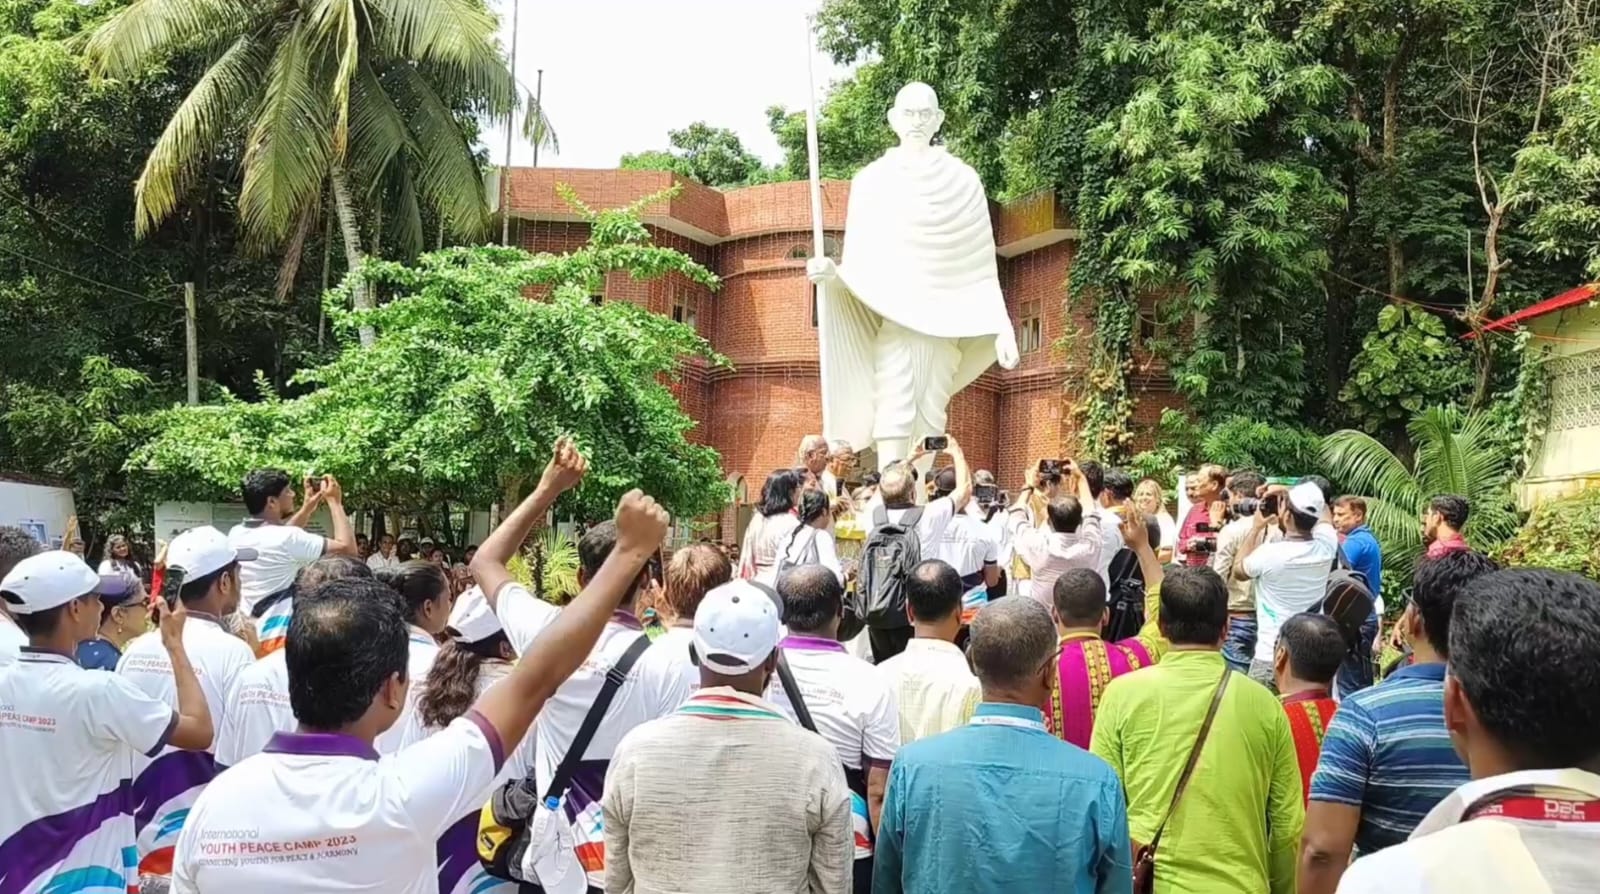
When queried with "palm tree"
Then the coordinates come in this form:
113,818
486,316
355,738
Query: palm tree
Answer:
1455,454
356,97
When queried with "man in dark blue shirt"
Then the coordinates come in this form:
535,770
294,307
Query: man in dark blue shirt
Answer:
1365,557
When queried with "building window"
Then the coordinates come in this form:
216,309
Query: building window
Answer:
1030,331
597,300
813,307
802,251
1152,329
685,308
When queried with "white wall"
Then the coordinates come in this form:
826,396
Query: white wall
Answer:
38,509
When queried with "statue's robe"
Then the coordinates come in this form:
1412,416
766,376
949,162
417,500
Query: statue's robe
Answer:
913,316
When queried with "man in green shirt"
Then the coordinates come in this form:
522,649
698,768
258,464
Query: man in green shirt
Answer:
1237,828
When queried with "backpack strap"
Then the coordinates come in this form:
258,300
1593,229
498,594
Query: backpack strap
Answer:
880,515
912,516
786,676
591,722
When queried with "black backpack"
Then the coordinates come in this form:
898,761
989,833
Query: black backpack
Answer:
1348,600
1125,598
892,550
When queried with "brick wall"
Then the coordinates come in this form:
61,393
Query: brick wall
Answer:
756,414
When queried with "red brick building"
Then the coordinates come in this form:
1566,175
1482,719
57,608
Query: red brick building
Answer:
757,240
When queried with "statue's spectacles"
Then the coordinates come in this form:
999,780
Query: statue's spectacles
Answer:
919,114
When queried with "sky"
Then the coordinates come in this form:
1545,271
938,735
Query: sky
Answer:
619,74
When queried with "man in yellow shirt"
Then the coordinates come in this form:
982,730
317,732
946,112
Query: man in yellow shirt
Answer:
1236,829
933,684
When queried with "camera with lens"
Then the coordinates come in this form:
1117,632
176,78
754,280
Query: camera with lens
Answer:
1050,470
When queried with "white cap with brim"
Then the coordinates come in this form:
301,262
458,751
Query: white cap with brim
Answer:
1307,498
200,551
736,628
52,579
472,619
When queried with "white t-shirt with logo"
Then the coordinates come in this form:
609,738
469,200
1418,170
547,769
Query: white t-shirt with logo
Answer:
322,812
652,689
166,787
853,706
423,650
12,641
70,738
930,527
1291,576
282,550
257,707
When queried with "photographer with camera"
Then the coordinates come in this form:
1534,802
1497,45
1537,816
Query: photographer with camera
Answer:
1204,489
968,545
1241,495
1291,574
989,506
1073,538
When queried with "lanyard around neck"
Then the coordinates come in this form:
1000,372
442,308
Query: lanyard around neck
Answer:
1004,720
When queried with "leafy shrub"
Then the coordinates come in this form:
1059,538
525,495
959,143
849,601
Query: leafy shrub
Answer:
1563,534
1271,448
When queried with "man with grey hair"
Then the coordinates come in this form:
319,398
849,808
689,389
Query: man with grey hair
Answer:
813,456
1061,808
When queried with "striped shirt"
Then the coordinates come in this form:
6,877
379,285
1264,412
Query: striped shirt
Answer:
933,687
1388,753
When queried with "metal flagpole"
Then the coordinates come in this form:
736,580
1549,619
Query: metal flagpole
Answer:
538,105
511,122
811,140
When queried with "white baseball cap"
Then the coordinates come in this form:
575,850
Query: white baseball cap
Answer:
1306,497
472,619
198,552
52,579
736,628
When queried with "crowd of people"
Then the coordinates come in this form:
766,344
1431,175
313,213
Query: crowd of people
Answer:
921,683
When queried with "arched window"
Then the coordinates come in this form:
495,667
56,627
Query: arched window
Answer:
802,251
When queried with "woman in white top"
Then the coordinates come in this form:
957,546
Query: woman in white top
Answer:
120,560
812,542
1149,499
770,531
425,590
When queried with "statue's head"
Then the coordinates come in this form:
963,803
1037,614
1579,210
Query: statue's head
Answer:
916,115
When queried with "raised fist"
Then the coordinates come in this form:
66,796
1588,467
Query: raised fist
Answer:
641,522
822,270
567,466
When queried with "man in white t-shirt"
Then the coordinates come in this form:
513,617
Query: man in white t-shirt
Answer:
693,571
652,688
968,545
205,571
851,702
1291,574
896,499
276,532
317,810
258,704
384,558
70,737
15,545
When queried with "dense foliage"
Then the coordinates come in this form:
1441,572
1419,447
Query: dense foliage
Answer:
1563,534
467,384
714,156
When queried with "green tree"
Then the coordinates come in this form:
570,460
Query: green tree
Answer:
1456,453
1561,173
1407,363
852,127
358,96
714,156
467,383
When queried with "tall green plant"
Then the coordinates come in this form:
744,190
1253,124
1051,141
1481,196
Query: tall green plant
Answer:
1456,453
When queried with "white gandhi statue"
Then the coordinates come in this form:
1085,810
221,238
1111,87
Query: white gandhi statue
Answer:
912,313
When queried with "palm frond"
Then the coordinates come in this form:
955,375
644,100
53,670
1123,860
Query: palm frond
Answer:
337,26
536,126
407,217
127,41
1363,465
458,34
1399,529
378,133
289,267
1440,465
446,171
223,94
288,154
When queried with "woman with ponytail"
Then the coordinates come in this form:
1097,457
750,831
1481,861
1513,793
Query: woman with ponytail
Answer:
425,593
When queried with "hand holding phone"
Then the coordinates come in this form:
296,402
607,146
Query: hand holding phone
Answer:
935,443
